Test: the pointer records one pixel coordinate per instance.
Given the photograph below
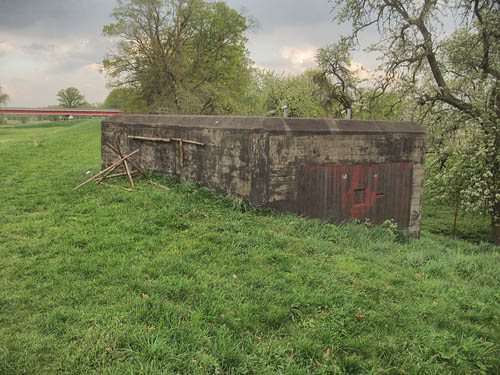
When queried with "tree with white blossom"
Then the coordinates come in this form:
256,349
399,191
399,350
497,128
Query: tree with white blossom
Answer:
454,76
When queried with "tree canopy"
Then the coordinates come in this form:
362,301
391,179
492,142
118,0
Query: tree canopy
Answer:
126,99
296,92
337,79
183,56
71,98
454,75
3,97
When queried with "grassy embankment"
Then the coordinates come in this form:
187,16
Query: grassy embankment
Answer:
183,281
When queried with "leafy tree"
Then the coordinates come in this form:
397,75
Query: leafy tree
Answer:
24,119
126,99
457,72
389,104
448,165
71,98
183,56
268,92
3,97
296,92
339,87
287,90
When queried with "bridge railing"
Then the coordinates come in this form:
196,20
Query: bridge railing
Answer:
60,112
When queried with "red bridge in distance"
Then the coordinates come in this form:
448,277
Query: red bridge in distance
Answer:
60,111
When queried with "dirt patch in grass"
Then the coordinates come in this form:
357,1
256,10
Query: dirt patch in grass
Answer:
37,213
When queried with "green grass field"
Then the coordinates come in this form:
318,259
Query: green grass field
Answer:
438,218
103,281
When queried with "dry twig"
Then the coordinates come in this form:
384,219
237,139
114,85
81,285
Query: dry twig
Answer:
159,185
118,187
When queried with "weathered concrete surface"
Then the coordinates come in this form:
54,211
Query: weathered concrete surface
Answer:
260,159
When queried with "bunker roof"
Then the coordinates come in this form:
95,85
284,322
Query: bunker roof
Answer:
298,126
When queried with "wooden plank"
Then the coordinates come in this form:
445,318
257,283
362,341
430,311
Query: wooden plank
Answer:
181,153
99,180
166,140
109,169
188,141
118,151
119,175
127,170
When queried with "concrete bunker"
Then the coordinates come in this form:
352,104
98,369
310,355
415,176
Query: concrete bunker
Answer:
338,170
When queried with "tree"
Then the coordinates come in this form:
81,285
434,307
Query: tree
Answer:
71,98
305,95
3,97
296,92
183,56
337,82
454,72
342,86
125,99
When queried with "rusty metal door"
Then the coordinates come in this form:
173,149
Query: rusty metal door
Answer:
345,192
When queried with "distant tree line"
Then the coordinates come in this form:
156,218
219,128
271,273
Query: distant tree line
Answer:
190,56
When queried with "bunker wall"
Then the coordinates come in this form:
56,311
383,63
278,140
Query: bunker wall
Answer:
288,154
230,162
332,169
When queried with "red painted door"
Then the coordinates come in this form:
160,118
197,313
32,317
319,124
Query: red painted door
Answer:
345,192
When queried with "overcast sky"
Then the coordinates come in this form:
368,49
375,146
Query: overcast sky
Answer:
46,45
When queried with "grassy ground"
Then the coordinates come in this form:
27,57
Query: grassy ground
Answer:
438,218
183,281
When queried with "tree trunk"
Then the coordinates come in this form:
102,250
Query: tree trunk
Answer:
457,206
495,217
495,230
495,223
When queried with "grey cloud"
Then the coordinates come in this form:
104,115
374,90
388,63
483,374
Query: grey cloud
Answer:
84,48
93,53
273,14
35,46
54,17
67,66
38,47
